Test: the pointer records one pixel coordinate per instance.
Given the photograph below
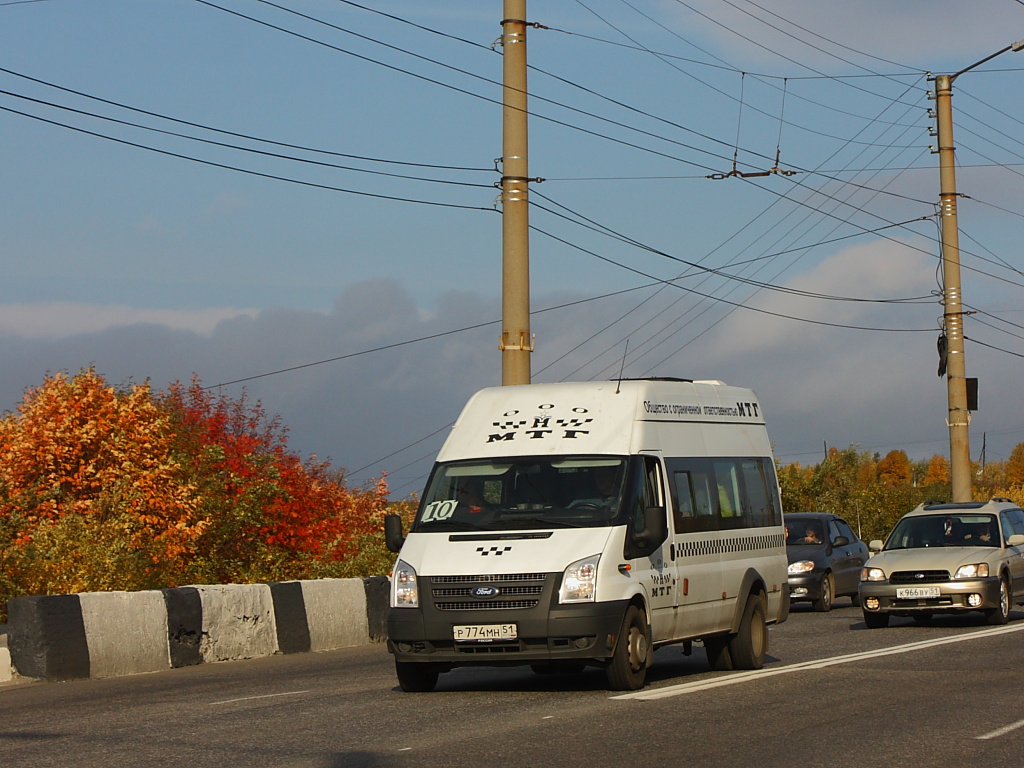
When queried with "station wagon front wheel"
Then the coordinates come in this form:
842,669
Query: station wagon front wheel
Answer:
876,620
1001,614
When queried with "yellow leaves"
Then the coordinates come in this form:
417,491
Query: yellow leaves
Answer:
121,488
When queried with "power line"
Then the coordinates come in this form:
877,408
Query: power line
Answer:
236,134
248,171
263,153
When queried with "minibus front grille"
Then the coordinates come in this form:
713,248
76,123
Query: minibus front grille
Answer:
479,605
465,591
489,579
493,592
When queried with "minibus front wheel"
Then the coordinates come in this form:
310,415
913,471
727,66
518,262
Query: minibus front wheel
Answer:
417,677
627,668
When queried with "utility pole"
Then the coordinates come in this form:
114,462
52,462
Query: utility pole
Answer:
952,313
958,418
516,341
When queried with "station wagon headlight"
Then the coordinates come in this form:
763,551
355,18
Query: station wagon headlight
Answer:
872,574
973,571
404,589
801,566
579,582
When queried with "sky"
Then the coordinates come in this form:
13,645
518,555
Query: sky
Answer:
296,201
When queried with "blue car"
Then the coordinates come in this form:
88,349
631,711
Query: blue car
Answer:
825,559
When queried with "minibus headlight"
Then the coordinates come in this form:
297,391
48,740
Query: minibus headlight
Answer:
579,582
404,589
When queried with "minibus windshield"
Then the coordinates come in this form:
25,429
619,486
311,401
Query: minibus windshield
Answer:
523,493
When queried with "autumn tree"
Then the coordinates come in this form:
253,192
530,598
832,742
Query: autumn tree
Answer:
894,469
122,488
92,495
937,472
1015,466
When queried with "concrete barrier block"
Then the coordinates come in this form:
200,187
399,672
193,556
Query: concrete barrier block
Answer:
335,613
6,668
46,637
238,622
126,632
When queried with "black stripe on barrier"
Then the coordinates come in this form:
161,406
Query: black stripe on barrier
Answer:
49,641
184,625
378,597
290,617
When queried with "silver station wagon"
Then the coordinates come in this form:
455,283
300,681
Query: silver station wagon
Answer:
947,558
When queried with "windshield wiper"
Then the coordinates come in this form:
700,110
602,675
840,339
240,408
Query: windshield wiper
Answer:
536,522
447,525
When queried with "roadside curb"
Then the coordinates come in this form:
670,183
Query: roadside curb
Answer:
110,634
6,668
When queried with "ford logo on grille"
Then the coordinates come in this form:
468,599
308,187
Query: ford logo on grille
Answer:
918,575
484,592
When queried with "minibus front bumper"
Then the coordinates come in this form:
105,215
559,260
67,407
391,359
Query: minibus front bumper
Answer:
538,634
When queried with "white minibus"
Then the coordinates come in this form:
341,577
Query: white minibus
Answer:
586,524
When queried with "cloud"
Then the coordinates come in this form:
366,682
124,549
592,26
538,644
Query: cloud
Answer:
61,319
365,394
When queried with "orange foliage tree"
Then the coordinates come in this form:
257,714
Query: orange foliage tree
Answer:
122,488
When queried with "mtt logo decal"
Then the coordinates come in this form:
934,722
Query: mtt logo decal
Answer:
540,427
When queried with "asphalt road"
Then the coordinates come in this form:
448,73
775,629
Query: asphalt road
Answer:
832,694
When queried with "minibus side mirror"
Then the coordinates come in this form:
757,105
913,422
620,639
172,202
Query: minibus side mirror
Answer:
655,530
393,537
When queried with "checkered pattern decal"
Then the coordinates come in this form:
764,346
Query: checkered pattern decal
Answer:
730,545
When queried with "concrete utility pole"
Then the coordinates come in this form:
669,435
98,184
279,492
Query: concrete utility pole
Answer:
516,341
953,315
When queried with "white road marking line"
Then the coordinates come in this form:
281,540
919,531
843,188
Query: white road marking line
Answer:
1002,731
265,696
743,677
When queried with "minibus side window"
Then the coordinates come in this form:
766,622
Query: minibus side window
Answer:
649,494
728,493
691,495
758,509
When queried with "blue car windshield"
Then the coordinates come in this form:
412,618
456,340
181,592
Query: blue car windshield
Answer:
800,532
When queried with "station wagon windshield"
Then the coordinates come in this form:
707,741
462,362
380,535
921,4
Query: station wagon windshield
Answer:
523,493
944,530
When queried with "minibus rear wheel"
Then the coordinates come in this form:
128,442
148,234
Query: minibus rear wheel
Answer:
750,645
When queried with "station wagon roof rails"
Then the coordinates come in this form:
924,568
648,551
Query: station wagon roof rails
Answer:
957,505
